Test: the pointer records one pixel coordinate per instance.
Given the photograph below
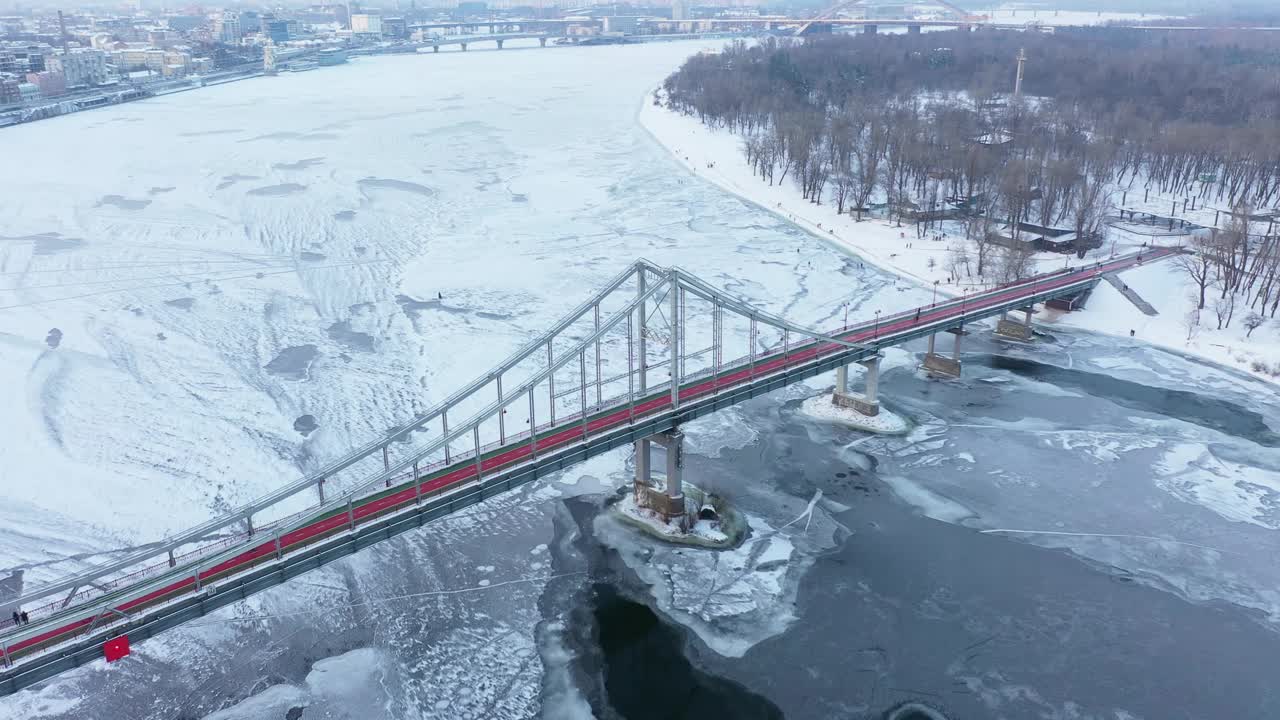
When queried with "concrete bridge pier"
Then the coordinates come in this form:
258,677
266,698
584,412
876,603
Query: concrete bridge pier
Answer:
499,44
867,402
936,364
464,46
668,502
542,42
1016,329
435,48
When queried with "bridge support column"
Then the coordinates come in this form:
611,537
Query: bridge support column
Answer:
1014,329
643,472
542,42
936,364
670,503
866,403
499,44
435,48
464,46
869,29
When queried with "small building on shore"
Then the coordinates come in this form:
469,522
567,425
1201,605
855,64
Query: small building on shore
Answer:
1042,238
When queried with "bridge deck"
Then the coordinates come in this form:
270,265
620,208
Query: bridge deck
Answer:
61,638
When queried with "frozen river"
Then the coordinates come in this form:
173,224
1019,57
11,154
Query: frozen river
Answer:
208,294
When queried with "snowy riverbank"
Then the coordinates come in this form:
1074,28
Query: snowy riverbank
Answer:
716,156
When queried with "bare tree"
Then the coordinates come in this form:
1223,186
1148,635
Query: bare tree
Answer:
979,232
1090,205
868,150
1252,322
1015,263
957,260
1224,307
1198,266
1191,321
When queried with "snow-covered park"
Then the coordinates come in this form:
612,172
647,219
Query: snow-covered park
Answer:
716,155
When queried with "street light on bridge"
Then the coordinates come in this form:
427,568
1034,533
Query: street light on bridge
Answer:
875,333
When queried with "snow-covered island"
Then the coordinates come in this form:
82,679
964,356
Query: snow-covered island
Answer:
717,156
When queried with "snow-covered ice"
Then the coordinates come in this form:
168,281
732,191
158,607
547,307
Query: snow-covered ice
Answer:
733,598
341,686
1237,491
929,502
339,250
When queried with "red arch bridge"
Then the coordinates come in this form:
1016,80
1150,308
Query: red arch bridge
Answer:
655,348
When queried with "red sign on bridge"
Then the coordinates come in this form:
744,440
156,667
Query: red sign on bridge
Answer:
116,648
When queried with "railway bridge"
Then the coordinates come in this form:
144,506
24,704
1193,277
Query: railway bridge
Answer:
655,348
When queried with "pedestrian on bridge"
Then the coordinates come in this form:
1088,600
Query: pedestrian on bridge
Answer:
25,620
16,619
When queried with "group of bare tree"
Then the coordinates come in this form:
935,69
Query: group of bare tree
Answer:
1189,114
1025,162
1237,271
916,121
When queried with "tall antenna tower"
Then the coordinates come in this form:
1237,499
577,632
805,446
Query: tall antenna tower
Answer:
62,28
1017,84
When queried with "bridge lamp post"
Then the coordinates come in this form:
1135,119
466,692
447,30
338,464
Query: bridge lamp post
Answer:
846,316
935,294
875,332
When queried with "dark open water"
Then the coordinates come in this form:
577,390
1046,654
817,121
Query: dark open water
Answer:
911,610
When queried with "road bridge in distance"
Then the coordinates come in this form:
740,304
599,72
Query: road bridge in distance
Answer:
464,40
655,348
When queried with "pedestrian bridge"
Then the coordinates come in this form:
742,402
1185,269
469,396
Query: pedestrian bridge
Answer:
655,348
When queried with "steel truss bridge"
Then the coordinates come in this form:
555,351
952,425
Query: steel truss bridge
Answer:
655,348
